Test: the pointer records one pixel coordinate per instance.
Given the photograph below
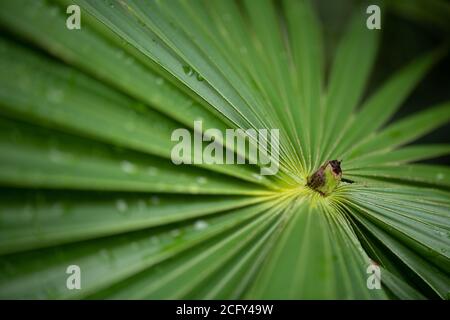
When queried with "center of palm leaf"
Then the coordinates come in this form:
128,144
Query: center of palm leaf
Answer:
326,179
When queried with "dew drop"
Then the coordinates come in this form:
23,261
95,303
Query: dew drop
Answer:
175,233
202,180
127,166
152,171
55,155
257,176
154,240
440,176
199,77
441,233
159,81
121,205
106,255
188,70
200,225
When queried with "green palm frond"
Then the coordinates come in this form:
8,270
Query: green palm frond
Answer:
86,118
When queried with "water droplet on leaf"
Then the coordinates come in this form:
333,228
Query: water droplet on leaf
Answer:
127,166
188,70
257,176
202,180
152,171
121,205
175,233
200,225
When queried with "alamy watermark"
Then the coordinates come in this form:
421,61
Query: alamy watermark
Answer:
73,21
73,281
256,146
374,279
374,20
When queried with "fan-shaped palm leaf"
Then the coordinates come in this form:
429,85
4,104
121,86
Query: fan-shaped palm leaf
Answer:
86,119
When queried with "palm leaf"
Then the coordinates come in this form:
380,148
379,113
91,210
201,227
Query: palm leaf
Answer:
85,155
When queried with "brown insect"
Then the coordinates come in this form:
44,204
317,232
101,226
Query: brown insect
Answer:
327,177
